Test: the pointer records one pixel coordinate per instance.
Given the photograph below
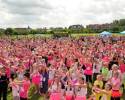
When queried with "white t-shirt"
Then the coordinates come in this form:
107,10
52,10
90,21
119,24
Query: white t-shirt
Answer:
81,91
51,74
15,90
98,67
116,83
55,87
69,91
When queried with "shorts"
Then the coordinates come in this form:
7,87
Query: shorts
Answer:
23,98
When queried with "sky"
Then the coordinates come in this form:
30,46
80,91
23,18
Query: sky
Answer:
59,13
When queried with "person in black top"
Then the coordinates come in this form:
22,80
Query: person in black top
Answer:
3,85
44,82
114,61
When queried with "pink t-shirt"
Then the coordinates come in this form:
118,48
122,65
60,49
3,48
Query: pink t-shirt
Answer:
26,64
55,96
88,70
69,62
81,61
122,68
80,98
106,59
36,79
116,83
8,72
24,89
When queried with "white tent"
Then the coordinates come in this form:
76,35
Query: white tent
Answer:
122,32
105,33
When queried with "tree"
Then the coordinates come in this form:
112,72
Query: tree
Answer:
33,31
9,31
115,22
22,31
118,25
87,30
15,33
122,22
2,31
115,29
51,32
76,29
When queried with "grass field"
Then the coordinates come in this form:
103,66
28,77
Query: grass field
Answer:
51,35
35,97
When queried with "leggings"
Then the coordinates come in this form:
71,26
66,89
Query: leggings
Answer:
95,76
89,78
3,92
115,98
23,98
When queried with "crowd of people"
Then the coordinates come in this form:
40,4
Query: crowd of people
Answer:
88,68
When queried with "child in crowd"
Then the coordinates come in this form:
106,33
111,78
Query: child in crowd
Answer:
80,89
116,83
106,93
105,72
15,88
55,89
98,84
69,90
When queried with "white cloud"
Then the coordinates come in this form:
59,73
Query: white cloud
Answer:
40,13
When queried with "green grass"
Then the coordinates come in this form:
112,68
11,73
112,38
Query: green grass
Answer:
79,35
35,97
9,96
50,35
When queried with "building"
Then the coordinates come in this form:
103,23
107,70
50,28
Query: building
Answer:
99,26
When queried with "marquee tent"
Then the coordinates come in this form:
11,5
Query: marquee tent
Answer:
122,32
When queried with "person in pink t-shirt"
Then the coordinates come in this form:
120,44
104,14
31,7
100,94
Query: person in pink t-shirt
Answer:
88,72
122,66
122,69
8,72
116,83
36,79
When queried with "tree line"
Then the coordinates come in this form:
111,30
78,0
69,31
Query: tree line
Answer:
116,27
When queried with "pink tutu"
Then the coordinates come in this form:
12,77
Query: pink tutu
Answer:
55,96
80,98
69,97
116,93
74,81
